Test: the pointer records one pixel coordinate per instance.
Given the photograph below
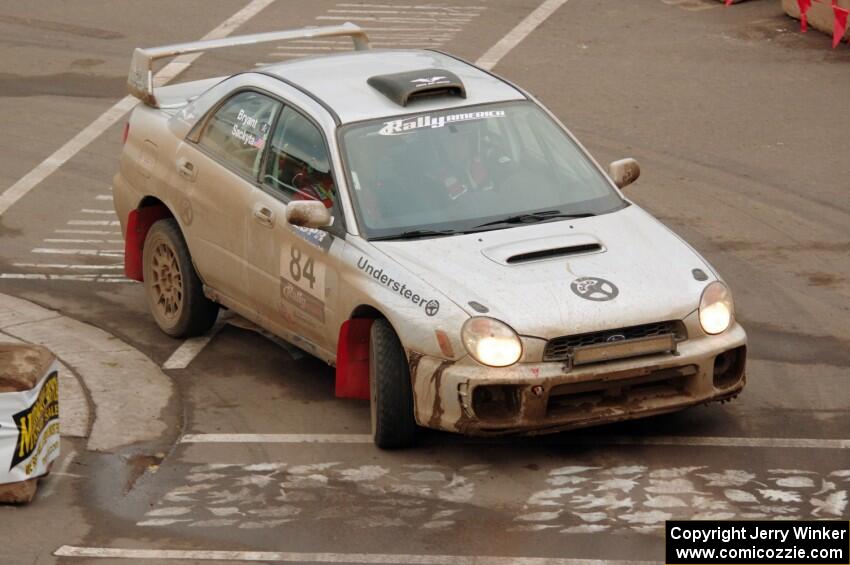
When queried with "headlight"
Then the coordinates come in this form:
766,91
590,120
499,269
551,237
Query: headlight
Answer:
716,308
491,342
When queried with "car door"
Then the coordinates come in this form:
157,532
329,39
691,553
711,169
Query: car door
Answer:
218,174
293,269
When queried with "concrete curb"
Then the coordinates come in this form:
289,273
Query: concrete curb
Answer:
128,390
74,416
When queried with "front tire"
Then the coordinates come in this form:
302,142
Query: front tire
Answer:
393,424
174,291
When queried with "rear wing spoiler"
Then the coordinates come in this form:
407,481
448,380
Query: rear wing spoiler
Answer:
140,80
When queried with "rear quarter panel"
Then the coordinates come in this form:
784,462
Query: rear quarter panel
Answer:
145,164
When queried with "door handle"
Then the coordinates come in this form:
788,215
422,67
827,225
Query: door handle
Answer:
187,169
264,215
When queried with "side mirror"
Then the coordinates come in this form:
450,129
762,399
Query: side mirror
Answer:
624,172
308,214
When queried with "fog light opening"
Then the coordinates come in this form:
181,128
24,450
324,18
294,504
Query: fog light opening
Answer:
495,402
729,367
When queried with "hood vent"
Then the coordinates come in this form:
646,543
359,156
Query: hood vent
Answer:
404,87
552,253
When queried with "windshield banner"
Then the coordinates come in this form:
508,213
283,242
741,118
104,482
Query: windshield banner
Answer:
29,429
405,125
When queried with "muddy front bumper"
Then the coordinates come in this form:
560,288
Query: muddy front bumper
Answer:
531,398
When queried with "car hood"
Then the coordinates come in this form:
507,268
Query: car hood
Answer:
532,277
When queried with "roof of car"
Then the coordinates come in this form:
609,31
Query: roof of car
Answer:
339,81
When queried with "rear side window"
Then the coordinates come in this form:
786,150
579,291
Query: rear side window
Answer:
298,167
236,134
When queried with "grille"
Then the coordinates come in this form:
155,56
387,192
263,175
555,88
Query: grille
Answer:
559,348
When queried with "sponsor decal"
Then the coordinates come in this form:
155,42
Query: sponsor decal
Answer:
33,420
430,306
315,237
302,286
595,289
406,125
305,302
29,429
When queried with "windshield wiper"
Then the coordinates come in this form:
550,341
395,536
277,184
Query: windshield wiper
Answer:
414,234
534,217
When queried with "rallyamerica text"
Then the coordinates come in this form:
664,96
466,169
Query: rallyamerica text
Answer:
728,534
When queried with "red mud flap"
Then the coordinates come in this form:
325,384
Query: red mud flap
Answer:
138,223
352,360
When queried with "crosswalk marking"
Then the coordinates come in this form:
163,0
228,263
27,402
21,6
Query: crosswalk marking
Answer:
61,251
97,211
89,232
93,222
65,266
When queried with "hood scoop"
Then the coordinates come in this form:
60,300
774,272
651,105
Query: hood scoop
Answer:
543,249
403,88
553,253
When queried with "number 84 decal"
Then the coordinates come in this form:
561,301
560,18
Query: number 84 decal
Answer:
300,268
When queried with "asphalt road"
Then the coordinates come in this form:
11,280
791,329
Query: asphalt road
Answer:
740,124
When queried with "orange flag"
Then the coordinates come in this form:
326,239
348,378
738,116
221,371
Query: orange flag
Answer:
839,24
804,7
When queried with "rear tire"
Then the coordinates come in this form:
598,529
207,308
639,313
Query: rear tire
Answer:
393,424
174,291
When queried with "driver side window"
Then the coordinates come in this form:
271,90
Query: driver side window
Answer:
298,166
236,134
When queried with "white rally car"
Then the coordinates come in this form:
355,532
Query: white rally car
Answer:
426,227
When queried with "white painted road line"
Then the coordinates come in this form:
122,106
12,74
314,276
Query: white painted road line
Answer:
63,251
61,240
424,21
53,277
89,232
64,153
289,557
50,487
190,349
517,34
93,222
97,211
676,441
417,7
403,13
64,266
696,441
276,438
106,120
416,29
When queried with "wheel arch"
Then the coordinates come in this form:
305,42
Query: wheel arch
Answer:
149,211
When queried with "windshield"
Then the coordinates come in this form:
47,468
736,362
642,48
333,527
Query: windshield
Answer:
456,170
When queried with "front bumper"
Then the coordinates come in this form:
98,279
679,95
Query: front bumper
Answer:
532,398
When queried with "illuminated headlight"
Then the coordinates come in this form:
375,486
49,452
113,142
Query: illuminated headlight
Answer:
491,342
716,309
